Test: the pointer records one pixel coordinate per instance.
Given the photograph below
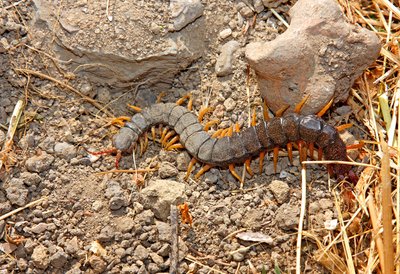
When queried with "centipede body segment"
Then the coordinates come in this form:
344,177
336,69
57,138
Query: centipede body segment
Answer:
252,141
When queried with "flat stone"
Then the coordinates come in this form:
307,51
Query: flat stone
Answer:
167,170
287,216
183,12
223,66
160,194
280,190
40,257
39,163
320,55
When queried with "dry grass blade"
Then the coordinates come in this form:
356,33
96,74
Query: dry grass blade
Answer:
15,117
22,208
64,85
387,210
375,232
301,218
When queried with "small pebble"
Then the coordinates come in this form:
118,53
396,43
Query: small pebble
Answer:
225,33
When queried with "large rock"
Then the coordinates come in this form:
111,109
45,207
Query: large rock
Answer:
123,48
320,55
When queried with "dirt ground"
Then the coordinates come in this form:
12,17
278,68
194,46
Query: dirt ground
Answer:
89,222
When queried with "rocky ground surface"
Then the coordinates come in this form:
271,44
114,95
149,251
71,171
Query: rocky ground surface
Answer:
119,223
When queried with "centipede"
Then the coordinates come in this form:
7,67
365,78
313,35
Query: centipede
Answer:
235,147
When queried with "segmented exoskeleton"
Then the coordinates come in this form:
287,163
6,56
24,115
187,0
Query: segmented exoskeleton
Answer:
276,132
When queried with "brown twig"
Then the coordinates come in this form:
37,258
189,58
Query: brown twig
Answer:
174,240
387,209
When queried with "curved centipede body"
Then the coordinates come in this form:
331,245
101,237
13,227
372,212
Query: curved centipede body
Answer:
276,132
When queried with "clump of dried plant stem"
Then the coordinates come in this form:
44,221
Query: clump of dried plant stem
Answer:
367,240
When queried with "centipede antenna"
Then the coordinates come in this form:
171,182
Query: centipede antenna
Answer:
204,169
248,168
234,173
289,147
134,108
104,152
190,167
276,152
261,161
299,106
281,111
118,158
325,108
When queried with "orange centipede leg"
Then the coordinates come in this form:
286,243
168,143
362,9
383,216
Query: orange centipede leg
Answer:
343,127
217,133
146,141
166,138
153,133
265,111
237,127
120,121
229,131
279,112
325,108
261,161
289,147
303,155
311,150
319,154
134,108
172,142
253,118
234,173
190,167
248,168
160,96
176,146
276,152
163,134
204,169
141,143
203,112
355,146
209,124
183,99
299,106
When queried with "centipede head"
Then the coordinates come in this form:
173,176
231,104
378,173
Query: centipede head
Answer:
124,140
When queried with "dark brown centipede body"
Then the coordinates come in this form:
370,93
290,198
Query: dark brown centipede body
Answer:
240,146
